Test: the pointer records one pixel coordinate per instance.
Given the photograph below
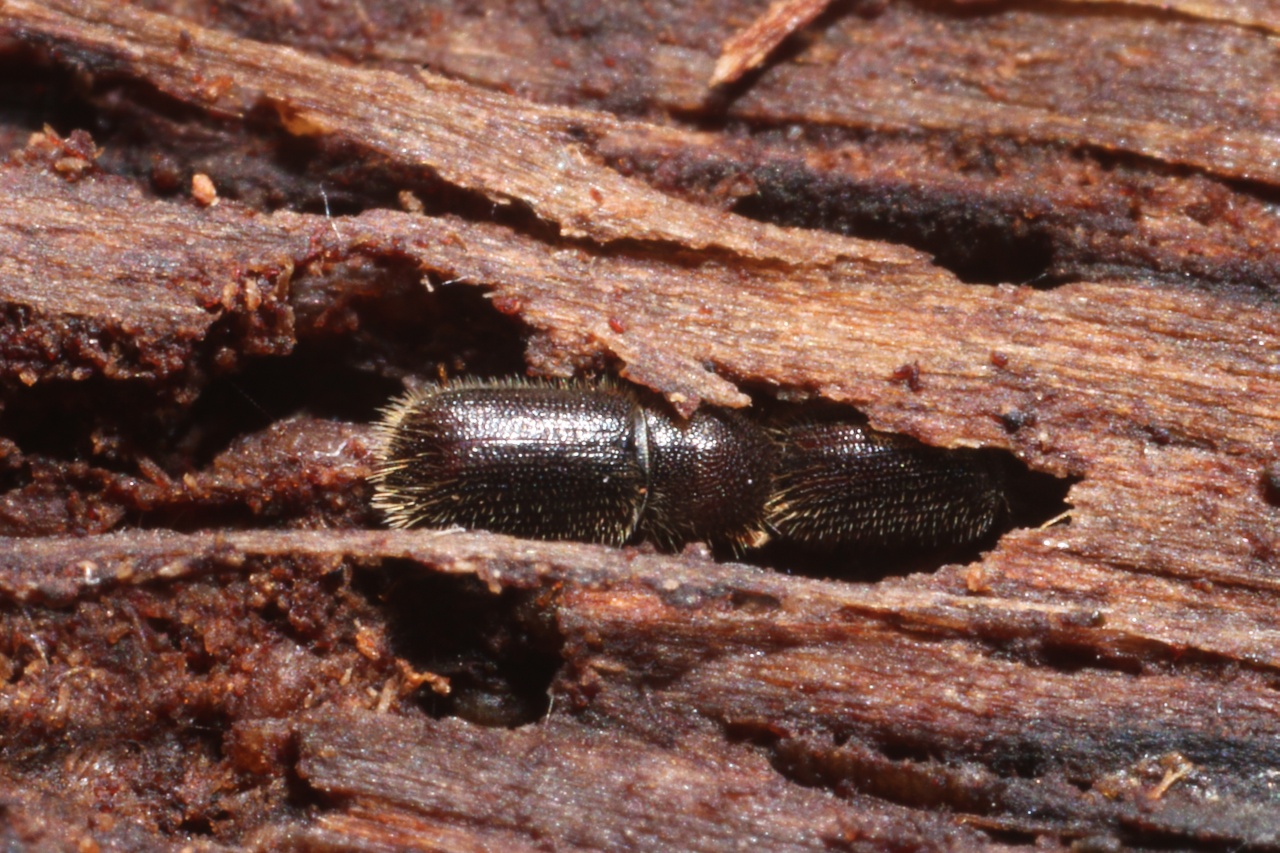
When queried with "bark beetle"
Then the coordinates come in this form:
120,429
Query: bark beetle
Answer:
207,637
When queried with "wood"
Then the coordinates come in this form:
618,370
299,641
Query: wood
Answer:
207,636
747,49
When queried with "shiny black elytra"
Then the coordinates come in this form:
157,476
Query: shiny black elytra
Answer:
595,464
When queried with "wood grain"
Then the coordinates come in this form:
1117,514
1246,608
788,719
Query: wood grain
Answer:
206,635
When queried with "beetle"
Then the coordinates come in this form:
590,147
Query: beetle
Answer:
596,463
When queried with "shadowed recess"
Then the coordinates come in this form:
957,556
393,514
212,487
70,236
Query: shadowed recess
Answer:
499,653
976,242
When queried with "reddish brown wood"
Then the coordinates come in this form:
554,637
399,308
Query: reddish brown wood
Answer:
753,44
205,634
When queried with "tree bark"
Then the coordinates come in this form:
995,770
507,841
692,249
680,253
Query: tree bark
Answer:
1049,232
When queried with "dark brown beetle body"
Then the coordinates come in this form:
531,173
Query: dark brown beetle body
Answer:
595,464
530,460
839,483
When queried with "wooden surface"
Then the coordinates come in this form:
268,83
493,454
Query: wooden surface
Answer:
1047,232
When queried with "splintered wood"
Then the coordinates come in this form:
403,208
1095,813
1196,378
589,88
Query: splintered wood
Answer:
1045,233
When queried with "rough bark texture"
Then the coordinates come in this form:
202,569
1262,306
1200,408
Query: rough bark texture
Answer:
1046,231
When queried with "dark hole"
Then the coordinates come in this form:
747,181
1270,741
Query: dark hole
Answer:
978,244
916,753
161,142
751,732
400,328
316,380
35,91
59,418
1271,484
499,652
196,825
1080,658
